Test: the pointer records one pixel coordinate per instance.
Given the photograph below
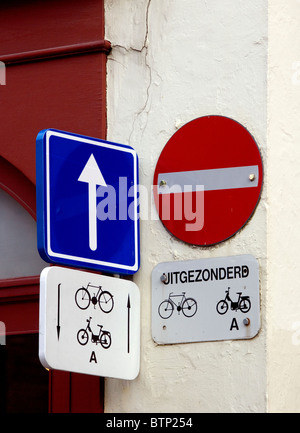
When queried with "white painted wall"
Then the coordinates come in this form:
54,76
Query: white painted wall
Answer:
284,204
171,62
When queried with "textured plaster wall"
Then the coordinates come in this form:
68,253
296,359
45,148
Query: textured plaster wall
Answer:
283,199
171,62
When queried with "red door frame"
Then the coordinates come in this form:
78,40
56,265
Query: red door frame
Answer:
19,310
19,297
16,291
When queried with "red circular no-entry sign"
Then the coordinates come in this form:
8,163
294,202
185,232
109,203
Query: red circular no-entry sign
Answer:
208,180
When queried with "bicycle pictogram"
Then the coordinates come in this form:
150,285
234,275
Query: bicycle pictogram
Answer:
104,337
103,298
188,306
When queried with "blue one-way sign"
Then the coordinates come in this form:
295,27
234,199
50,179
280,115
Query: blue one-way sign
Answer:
87,202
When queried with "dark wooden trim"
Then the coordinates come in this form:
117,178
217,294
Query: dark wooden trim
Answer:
23,289
101,46
20,281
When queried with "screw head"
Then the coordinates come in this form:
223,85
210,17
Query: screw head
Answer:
162,183
252,177
163,278
246,321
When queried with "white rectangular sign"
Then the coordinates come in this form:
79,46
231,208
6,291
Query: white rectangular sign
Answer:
89,323
205,300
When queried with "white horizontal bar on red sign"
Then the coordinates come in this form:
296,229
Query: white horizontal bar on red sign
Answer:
208,180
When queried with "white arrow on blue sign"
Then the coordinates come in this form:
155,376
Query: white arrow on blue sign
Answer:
87,202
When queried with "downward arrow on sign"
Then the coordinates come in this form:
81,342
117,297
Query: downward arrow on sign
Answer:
92,175
128,324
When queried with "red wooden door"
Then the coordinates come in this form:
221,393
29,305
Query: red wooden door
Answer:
55,56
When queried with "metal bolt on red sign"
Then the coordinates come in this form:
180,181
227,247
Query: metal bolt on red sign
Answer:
208,180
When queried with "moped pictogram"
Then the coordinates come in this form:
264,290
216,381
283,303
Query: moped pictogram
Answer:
104,337
243,303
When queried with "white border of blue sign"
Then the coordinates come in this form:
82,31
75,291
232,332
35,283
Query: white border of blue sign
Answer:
43,205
